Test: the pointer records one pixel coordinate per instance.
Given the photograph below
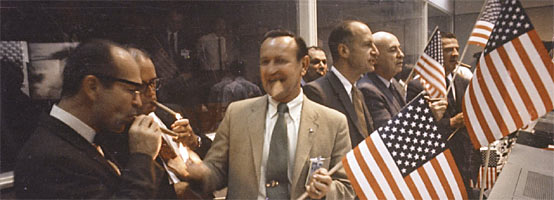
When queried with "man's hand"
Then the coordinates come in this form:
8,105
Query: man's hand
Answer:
145,136
188,138
457,121
320,184
438,107
195,167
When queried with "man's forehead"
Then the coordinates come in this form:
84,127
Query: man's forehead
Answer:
449,43
281,43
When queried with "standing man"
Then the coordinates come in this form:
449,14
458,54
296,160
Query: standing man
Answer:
318,65
354,53
101,93
270,158
467,158
384,96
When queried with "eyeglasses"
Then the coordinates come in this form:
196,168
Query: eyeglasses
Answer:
152,84
135,92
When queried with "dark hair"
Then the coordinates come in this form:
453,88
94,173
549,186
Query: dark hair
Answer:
447,35
342,33
300,44
89,58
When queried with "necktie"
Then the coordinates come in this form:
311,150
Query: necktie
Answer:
277,182
396,95
171,45
357,101
112,164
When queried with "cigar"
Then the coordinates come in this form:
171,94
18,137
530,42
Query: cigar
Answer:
169,132
163,107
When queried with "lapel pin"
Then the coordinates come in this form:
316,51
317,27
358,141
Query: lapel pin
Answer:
311,130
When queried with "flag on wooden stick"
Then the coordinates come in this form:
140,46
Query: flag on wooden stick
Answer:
513,82
430,68
405,159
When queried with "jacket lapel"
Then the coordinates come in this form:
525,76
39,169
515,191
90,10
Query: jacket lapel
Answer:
70,136
394,105
341,93
307,130
256,127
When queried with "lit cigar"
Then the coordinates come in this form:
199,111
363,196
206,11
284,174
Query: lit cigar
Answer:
163,107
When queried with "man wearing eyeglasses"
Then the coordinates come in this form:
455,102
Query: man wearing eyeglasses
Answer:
100,94
318,65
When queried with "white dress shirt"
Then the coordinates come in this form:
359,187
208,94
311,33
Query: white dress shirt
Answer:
74,123
293,124
347,85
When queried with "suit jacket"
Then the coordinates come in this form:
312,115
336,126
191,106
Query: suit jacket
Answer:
467,158
380,101
59,163
329,91
236,154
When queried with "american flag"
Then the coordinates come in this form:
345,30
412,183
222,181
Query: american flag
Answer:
430,68
491,170
513,82
485,24
405,159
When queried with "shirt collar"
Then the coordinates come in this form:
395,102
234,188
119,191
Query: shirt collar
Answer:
75,123
295,106
385,81
347,85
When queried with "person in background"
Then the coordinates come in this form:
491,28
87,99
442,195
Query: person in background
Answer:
318,65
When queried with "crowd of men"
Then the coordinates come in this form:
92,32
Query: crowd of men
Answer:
106,138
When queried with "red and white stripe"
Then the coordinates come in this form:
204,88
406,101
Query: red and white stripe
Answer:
490,178
480,34
512,86
432,76
374,175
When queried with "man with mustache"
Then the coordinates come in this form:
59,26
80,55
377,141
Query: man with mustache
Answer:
263,145
100,94
354,53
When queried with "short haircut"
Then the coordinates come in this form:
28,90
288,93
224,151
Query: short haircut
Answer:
341,34
448,35
89,58
302,50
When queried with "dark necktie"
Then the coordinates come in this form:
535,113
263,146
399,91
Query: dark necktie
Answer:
172,45
277,182
357,101
396,95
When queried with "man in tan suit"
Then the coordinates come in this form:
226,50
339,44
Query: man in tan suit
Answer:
245,155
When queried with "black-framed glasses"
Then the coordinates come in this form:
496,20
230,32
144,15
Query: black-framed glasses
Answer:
153,84
137,86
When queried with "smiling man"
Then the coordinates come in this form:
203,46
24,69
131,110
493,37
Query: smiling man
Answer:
354,53
263,145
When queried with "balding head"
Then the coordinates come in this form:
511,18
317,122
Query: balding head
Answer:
390,60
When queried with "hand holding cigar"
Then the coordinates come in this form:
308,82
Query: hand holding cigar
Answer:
181,129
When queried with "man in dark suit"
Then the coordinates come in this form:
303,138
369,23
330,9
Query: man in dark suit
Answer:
384,96
354,54
263,146
100,94
467,158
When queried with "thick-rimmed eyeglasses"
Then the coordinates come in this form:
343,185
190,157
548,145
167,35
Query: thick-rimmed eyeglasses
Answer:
152,84
137,86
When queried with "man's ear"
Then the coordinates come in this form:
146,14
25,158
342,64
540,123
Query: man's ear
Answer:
305,61
344,51
90,86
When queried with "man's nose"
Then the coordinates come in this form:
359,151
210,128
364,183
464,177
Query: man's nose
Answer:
374,51
136,100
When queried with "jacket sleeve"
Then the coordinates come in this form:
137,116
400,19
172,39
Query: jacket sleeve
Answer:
340,187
